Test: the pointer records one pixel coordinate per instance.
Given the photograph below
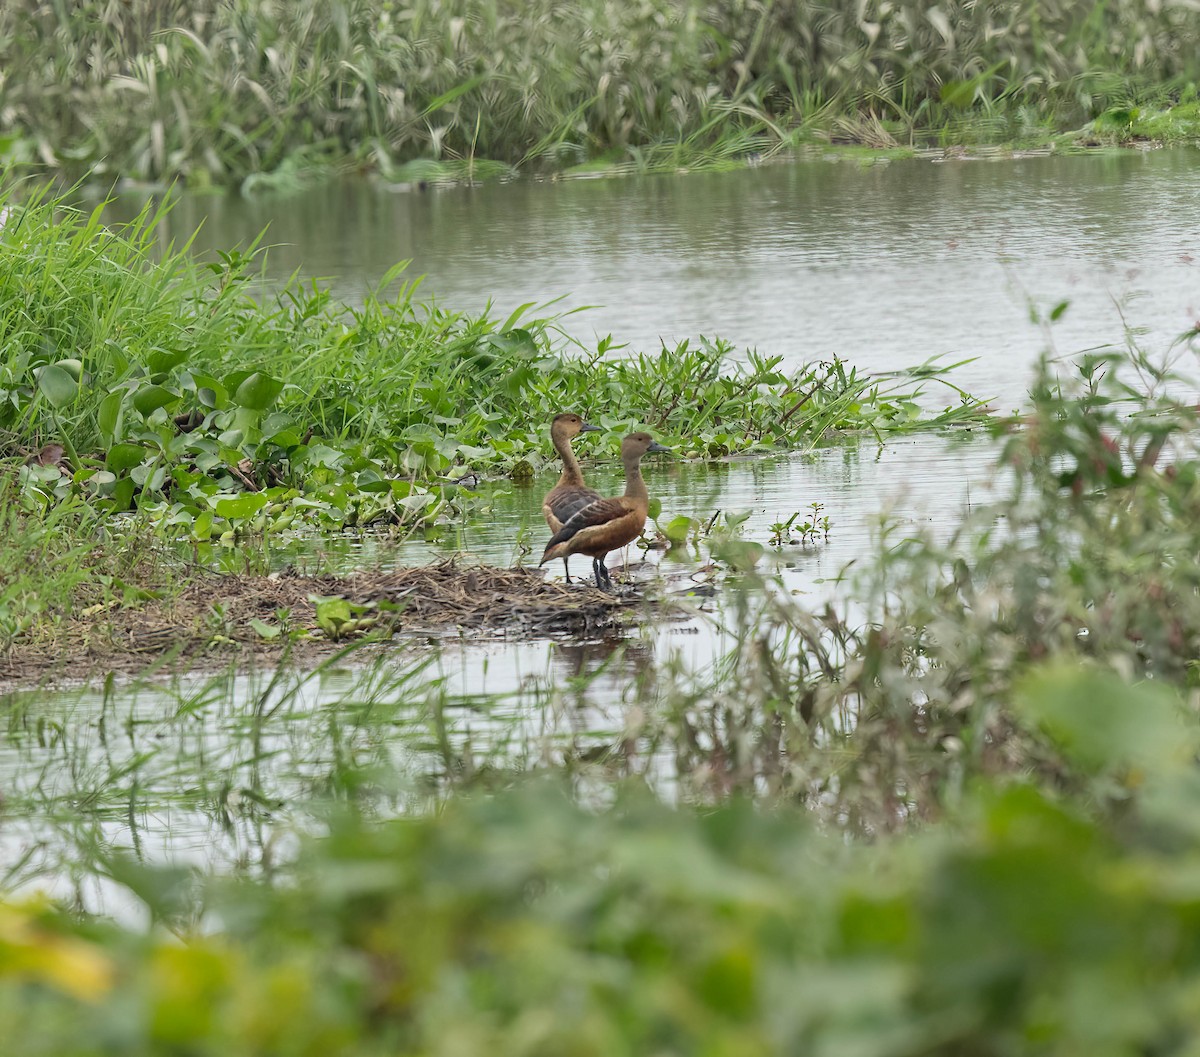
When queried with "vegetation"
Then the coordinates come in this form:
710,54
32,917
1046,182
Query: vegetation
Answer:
963,823
215,411
1028,926
220,92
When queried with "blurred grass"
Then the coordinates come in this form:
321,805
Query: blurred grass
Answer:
216,91
525,924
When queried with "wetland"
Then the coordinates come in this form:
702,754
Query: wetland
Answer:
908,643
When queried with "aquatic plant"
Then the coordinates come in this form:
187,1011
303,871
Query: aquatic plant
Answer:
258,93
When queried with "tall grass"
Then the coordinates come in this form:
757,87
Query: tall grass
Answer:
217,90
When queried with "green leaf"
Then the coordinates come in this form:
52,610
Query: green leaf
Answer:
333,614
258,391
124,457
242,506
1100,721
149,398
678,528
265,630
73,367
162,360
109,416
56,385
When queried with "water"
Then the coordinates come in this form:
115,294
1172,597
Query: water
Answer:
885,265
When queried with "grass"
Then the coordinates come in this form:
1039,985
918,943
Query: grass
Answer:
218,93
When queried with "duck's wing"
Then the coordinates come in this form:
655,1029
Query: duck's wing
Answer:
594,515
568,503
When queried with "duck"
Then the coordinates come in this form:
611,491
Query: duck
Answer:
605,525
570,494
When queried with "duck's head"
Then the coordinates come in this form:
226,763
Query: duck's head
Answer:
569,424
635,445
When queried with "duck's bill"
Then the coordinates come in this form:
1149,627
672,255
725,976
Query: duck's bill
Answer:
655,446
587,427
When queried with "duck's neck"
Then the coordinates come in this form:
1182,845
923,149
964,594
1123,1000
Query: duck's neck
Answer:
571,474
635,484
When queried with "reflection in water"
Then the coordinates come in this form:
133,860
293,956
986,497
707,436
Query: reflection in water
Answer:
884,265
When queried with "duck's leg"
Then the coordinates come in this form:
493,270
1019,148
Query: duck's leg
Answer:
603,580
567,568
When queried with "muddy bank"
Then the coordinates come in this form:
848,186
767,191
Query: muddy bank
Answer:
218,618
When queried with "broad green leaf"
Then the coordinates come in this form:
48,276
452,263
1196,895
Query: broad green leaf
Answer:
163,360
265,630
258,391
678,528
149,398
109,417
124,457
1101,721
242,506
56,385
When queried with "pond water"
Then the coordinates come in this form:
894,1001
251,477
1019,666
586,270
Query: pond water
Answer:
884,265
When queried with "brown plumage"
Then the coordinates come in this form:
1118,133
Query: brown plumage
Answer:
570,494
605,525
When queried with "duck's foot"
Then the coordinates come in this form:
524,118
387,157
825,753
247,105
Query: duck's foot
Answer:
603,580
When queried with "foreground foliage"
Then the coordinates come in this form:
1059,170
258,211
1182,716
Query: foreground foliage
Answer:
262,93
1022,926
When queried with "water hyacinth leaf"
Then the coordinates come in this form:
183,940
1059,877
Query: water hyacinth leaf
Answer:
285,438
655,508
324,455
258,391
149,398
741,555
239,507
162,361
110,415
333,614
102,483
517,341
148,477
677,528
124,457
56,384
207,397
122,494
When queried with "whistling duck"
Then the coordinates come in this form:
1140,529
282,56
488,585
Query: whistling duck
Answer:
608,524
570,494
